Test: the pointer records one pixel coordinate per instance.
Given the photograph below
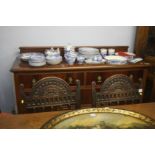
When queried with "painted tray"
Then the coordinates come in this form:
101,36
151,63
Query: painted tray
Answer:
100,118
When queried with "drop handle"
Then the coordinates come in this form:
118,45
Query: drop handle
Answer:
131,77
70,80
34,81
99,79
22,102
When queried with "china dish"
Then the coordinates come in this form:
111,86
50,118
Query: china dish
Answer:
100,118
89,56
37,60
127,55
88,51
53,60
26,56
52,52
90,61
37,64
115,59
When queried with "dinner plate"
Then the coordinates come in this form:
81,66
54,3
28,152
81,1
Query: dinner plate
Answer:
101,118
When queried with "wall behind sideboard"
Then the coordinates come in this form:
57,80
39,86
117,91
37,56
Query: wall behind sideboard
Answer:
13,37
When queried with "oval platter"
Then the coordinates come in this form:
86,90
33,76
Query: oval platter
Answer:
100,118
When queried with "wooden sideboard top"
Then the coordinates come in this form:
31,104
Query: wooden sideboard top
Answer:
21,67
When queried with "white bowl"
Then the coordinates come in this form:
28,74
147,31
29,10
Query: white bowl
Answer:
54,60
70,60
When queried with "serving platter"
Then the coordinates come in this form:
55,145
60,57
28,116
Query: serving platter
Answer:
88,51
90,61
115,60
100,118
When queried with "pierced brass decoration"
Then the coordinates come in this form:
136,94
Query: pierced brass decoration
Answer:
117,89
51,92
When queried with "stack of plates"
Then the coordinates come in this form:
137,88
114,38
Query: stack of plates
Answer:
88,52
37,60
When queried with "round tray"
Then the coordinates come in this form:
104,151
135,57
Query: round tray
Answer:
101,118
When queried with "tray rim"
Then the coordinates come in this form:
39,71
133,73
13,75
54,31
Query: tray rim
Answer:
57,119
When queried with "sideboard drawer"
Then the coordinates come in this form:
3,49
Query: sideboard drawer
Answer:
30,79
100,77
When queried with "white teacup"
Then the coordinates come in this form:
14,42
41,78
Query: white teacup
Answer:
103,51
111,51
80,59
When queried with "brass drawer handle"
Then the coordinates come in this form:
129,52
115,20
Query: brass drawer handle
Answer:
99,79
22,102
131,76
140,80
70,80
34,81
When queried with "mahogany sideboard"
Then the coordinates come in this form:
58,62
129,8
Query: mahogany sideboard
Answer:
86,73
